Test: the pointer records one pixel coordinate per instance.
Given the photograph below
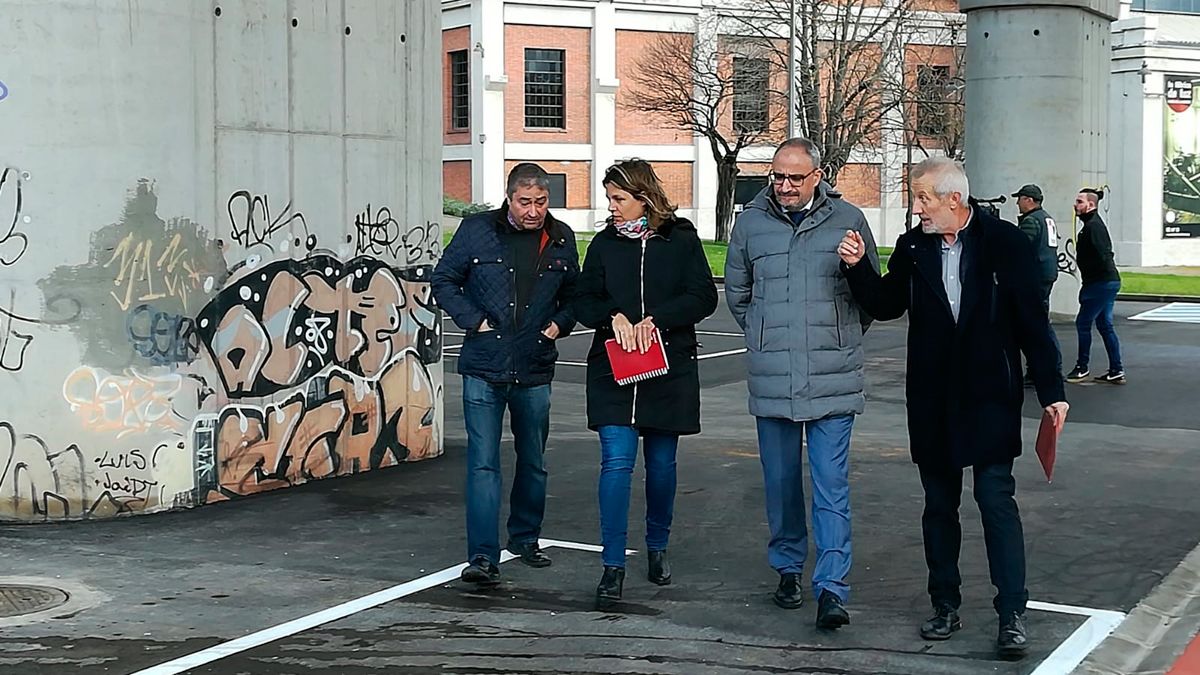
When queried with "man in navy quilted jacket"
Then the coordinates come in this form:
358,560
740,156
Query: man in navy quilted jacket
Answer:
507,279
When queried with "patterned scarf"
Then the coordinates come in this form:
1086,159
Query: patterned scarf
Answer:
634,229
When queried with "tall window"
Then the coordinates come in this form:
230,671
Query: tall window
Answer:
1182,6
544,88
933,83
460,90
558,190
751,79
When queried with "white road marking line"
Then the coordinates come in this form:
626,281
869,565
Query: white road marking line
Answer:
1073,650
1062,660
336,613
714,355
1179,312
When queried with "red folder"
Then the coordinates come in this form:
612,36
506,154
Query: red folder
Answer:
634,366
1047,443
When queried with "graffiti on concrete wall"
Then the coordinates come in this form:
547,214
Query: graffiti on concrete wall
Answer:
340,424
350,340
37,481
251,224
13,244
211,370
378,233
281,323
138,267
132,403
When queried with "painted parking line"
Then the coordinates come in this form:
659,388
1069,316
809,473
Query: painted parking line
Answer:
1176,312
717,355
336,613
1100,623
585,331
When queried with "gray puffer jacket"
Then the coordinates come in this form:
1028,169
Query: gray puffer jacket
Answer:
803,328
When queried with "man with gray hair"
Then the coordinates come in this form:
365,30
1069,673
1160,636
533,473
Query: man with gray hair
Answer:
804,351
507,279
970,285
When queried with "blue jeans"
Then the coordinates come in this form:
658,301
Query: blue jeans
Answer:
779,447
483,410
1096,306
618,453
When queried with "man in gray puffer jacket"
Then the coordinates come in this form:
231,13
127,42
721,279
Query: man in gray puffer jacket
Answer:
804,339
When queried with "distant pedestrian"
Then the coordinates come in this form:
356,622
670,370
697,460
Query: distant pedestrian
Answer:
507,279
1037,224
1098,295
644,274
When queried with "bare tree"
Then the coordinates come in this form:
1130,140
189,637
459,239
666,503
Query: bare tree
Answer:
725,90
932,117
850,90
845,83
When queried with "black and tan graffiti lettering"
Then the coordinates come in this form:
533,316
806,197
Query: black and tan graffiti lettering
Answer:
341,424
279,325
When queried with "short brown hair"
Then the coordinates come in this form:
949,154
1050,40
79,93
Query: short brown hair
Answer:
637,177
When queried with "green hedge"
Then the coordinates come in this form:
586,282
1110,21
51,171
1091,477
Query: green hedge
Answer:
461,209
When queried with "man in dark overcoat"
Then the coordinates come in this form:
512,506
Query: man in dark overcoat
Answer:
969,284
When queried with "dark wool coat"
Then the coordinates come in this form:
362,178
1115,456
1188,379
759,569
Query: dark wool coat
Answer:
964,385
665,277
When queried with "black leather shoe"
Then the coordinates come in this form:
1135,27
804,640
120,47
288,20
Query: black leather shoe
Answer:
790,594
530,554
944,623
1013,641
481,571
608,592
831,613
660,569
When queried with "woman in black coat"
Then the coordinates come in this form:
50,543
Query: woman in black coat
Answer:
645,275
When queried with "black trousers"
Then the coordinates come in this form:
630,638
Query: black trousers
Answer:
995,488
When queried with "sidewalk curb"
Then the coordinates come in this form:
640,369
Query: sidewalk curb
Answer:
1157,631
1139,297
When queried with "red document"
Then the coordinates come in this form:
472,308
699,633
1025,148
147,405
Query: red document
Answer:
1047,443
630,367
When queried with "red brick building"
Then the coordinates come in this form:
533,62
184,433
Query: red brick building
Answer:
550,82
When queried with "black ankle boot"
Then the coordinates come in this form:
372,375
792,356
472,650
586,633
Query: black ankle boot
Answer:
609,590
660,569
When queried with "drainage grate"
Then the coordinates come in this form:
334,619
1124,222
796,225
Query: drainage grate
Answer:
18,600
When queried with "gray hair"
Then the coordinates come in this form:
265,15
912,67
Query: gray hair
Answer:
802,143
527,174
947,175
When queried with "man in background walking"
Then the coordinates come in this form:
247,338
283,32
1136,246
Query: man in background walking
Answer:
1043,234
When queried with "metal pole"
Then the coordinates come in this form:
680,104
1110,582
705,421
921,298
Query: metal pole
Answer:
792,113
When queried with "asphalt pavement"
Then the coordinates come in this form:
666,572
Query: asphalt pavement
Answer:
1119,517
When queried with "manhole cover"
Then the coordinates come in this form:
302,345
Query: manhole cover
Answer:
18,600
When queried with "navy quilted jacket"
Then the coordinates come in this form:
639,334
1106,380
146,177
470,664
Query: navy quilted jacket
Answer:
474,281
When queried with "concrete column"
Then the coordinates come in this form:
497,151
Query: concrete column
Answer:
487,116
1037,96
604,101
